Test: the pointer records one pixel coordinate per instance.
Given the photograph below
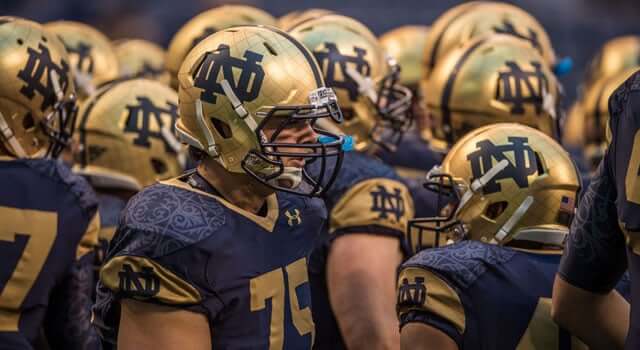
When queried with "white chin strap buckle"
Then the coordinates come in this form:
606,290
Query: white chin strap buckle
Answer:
480,182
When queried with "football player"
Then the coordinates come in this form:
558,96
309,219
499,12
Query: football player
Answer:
126,133
353,266
217,257
139,58
49,216
412,158
205,24
603,239
93,60
514,190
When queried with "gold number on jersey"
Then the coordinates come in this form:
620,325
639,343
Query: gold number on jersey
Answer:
271,285
631,181
37,229
543,333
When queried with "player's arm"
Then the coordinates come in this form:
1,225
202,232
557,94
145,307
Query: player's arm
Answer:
68,319
430,311
150,326
363,259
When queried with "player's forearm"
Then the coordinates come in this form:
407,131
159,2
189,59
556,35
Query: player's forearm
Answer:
601,321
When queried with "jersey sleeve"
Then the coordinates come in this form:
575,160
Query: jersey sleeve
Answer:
594,258
89,240
425,297
377,206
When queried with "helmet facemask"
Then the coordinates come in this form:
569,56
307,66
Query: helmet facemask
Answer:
60,123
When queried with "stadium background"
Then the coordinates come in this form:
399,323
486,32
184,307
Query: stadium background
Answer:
577,27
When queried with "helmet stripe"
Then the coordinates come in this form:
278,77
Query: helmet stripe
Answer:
436,45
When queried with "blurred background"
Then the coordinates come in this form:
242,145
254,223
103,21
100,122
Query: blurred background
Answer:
577,27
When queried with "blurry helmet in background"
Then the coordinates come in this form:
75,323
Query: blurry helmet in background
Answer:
239,79
126,135
615,56
205,24
407,44
490,80
138,58
470,20
37,93
376,108
293,18
93,60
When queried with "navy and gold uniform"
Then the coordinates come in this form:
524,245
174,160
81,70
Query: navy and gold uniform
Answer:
608,216
110,207
47,238
367,197
413,158
180,244
485,296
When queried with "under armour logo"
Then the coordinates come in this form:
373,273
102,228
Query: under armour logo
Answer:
139,284
519,87
32,74
139,121
412,294
385,203
246,87
331,59
509,29
525,162
83,52
205,33
293,219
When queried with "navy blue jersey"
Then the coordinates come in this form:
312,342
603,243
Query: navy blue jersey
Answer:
607,223
47,238
110,208
367,197
181,245
413,157
484,296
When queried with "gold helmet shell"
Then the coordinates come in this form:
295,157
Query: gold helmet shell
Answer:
572,131
356,66
240,78
615,56
293,18
37,94
489,80
478,18
141,59
93,60
205,24
407,44
126,134
510,185
595,107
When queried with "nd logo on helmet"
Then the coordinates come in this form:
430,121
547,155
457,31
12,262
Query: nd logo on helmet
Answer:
509,29
331,59
139,120
525,162
85,60
246,87
39,64
518,87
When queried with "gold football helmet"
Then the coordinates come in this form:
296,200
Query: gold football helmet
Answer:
595,124
293,18
572,131
237,80
93,60
478,18
407,44
126,135
489,80
376,108
505,184
37,94
139,58
615,56
205,24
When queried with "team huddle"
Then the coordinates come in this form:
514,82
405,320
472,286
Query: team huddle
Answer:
300,183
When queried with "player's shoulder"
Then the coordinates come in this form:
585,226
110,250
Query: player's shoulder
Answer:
359,166
461,263
51,173
620,98
164,218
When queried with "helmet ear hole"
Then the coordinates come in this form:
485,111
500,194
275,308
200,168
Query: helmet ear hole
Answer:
539,164
28,123
495,209
159,167
222,128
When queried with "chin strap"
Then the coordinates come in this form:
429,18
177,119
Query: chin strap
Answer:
366,86
238,106
544,236
10,137
480,182
513,220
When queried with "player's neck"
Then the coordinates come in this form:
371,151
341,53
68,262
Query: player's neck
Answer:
239,189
